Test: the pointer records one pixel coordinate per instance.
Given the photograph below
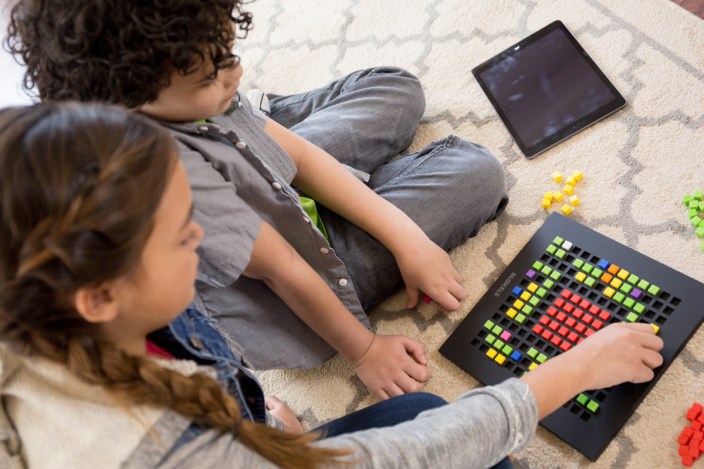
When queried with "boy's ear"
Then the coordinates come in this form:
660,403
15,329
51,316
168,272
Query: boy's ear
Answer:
97,303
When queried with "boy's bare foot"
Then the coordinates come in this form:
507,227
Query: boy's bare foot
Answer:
282,412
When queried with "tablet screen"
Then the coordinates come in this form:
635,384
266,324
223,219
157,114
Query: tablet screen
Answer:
546,88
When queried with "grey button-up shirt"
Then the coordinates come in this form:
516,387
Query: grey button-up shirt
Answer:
239,177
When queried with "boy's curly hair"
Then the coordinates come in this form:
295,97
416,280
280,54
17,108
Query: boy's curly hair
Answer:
119,51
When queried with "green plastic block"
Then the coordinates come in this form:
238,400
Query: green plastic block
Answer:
643,284
626,288
587,268
582,399
542,358
593,406
578,263
618,296
686,199
527,310
695,220
551,249
488,324
499,344
555,275
699,232
590,281
633,279
508,350
698,195
520,318
632,317
490,339
561,253
701,206
629,302
534,300
537,265
654,290
497,330
548,283
532,353
541,292
546,270
558,240
692,212
693,204
596,273
639,308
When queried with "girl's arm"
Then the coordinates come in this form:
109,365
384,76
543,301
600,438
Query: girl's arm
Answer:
424,265
387,365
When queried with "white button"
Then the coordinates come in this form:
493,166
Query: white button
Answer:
241,144
203,128
342,282
324,250
306,219
567,245
276,186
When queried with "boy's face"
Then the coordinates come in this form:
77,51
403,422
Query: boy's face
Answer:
196,96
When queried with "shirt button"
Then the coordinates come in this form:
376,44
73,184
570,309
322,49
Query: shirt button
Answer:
276,186
324,250
306,219
342,282
196,342
203,128
241,144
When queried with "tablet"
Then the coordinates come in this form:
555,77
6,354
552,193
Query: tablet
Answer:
546,88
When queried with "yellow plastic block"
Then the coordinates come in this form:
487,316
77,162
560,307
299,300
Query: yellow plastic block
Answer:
568,189
525,296
656,328
623,274
511,313
609,292
571,181
566,209
574,201
548,195
518,304
491,353
616,282
500,359
532,366
546,203
577,175
557,177
532,287
580,276
557,196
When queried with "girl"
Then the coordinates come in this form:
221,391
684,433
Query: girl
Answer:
99,369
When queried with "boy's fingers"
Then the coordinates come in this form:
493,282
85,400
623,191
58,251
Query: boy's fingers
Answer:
652,359
415,349
412,294
458,291
392,389
408,384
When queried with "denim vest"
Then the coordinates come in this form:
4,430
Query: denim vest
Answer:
192,336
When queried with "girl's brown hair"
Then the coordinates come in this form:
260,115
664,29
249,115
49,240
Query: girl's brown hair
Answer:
74,212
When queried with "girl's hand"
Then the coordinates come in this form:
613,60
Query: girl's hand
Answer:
284,413
426,267
393,365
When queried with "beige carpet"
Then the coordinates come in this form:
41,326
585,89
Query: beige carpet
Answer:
637,165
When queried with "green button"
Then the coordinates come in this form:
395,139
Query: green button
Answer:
632,317
590,281
508,350
561,253
542,358
488,324
497,330
597,272
527,309
639,308
593,406
618,296
633,279
578,263
582,399
629,302
499,344
537,265
546,270
551,249
548,283
654,290
541,292
534,300
643,284
626,288
686,199
587,268
520,318
490,339
532,353
555,275
558,240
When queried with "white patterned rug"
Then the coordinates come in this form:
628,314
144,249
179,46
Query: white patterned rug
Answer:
637,164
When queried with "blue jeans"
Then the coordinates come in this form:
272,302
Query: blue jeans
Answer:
450,188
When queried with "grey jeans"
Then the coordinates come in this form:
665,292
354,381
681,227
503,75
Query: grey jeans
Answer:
450,188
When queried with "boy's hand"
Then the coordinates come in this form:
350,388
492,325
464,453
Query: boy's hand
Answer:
393,365
426,267
619,353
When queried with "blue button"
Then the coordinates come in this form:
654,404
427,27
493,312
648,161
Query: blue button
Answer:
604,264
516,356
517,291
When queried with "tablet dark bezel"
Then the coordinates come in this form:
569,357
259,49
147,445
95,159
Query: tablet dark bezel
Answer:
531,151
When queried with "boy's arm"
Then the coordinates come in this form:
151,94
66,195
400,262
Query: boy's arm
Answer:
423,264
388,365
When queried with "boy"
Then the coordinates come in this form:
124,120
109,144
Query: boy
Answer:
281,290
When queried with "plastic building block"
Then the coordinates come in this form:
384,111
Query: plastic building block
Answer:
557,177
574,200
558,196
546,203
577,175
566,209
